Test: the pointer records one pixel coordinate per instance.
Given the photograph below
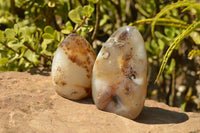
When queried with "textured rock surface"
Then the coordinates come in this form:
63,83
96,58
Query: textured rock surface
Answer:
28,103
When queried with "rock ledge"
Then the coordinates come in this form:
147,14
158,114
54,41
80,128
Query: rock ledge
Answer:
29,104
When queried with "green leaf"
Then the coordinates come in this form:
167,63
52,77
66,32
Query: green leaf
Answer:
3,61
170,32
16,28
15,44
189,94
193,53
68,28
104,20
148,48
86,28
94,1
79,10
163,37
31,56
68,24
143,11
74,15
183,105
14,58
21,61
88,10
171,66
154,45
1,36
175,44
17,56
56,35
43,46
195,37
161,45
49,29
163,22
26,31
48,53
47,36
10,33
45,43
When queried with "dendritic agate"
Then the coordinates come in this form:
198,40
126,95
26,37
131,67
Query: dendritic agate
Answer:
119,78
72,68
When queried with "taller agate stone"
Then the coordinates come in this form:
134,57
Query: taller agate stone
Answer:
119,78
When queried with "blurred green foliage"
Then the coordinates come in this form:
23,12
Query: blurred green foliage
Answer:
31,30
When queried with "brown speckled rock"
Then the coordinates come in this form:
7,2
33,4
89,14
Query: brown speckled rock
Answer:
72,67
29,104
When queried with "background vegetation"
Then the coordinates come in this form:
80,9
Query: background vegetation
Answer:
31,30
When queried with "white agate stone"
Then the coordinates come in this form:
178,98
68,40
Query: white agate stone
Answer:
72,68
119,78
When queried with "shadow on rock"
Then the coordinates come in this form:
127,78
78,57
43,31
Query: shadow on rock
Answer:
44,72
155,115
87,100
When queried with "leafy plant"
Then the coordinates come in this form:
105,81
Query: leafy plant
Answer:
29,43
179,30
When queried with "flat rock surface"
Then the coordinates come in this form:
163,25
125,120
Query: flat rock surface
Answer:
29,104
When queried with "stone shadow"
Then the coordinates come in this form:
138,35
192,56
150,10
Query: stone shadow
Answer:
155,115
43,72
87,100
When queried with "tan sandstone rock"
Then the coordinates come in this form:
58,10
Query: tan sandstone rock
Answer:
29,104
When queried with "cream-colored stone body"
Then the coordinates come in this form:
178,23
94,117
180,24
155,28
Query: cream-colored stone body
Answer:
72,68
119,79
